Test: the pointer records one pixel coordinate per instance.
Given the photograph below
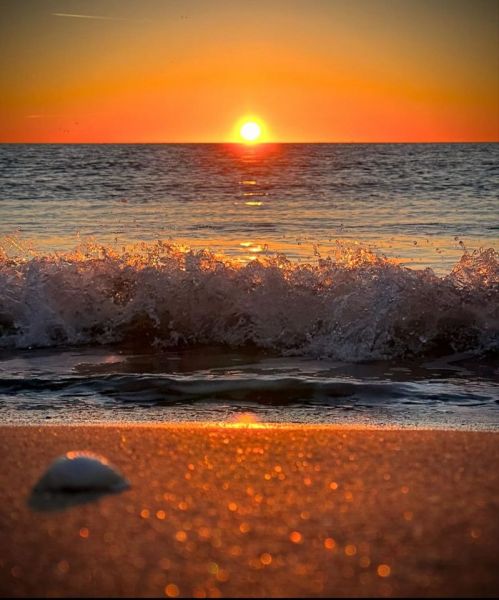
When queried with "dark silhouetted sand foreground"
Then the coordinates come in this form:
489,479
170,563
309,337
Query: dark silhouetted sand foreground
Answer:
244,511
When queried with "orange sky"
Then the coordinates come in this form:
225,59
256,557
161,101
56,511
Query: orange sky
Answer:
188,70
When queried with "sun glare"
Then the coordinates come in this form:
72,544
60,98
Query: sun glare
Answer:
250,131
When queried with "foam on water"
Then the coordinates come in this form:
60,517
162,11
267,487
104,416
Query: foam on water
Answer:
352,305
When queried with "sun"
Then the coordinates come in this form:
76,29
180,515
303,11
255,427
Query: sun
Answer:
250,132
250,129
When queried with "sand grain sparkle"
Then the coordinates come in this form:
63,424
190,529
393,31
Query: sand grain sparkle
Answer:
331,526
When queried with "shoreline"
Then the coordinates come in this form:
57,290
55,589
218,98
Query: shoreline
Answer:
232,423
252,422
256,509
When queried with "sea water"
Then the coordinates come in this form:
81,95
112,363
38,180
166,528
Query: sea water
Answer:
315,283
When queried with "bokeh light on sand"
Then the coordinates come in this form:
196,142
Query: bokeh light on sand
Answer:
277,511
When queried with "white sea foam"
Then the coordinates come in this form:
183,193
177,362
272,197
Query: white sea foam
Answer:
353,305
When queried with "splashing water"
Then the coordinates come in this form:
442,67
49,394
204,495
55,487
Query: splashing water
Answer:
353,305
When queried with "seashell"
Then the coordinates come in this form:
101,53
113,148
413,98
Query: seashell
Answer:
79,471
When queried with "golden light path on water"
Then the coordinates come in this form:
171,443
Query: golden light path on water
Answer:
252,199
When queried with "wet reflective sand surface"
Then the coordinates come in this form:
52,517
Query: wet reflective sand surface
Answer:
247,509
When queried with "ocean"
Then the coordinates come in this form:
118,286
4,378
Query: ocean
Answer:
311,283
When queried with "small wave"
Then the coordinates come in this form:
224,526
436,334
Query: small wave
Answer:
354,305
160,389
170,389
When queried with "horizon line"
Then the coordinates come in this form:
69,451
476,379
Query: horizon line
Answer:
270,143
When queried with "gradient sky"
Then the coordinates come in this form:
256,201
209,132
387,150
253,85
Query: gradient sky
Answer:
188,70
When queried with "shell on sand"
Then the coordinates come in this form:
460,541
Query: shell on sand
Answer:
79,471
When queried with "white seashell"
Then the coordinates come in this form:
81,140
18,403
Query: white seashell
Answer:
79,472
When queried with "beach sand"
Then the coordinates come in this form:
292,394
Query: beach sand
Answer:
237,510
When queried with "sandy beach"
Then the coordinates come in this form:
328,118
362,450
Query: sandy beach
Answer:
237,510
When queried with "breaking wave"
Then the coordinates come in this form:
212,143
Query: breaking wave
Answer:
353,305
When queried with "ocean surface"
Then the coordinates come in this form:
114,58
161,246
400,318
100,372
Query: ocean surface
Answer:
312,283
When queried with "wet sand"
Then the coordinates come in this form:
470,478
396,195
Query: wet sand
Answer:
246,511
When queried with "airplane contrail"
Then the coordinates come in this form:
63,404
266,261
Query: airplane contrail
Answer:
99,17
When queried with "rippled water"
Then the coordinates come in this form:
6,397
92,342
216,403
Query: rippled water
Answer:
211,384
417,202
358,283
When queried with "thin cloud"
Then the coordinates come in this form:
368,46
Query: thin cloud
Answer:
98,17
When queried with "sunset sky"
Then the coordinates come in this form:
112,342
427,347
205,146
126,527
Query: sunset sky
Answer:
190,70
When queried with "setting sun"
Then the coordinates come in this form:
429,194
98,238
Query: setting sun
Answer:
250,131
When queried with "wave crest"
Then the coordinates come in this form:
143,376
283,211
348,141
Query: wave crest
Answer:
354,305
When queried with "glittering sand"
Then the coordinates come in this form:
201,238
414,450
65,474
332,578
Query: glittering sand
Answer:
247,511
